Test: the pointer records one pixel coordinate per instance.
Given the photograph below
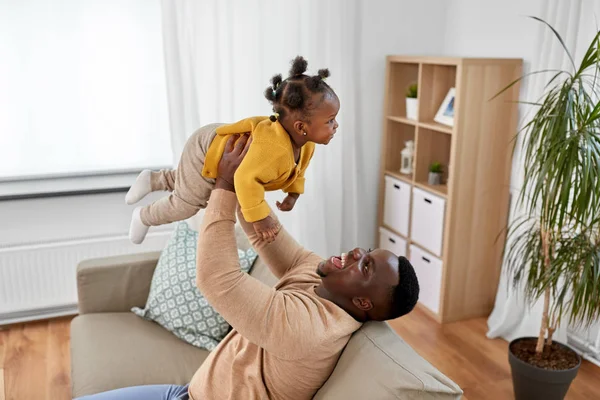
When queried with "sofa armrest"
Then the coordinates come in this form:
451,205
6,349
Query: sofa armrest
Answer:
115,284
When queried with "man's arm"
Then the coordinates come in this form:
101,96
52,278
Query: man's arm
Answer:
255,310
277,321
283,253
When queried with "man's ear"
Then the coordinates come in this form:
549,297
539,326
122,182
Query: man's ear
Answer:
362,303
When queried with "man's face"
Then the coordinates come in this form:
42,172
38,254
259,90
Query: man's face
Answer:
365,275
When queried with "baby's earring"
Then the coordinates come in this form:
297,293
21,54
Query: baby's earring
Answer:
304,133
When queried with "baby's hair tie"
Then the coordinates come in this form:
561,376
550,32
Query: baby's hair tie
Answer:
274,93
274,117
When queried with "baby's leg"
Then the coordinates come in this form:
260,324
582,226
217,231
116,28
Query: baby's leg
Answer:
163,180
169,209
190,189
150,181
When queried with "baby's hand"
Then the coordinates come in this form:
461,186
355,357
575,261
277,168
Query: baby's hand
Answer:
288,203
267,229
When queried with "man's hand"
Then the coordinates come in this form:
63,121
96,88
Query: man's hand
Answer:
230,161
288,203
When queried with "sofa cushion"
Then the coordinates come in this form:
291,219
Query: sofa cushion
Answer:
378,364
115,350
176,303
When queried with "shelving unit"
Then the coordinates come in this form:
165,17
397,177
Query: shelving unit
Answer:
452,232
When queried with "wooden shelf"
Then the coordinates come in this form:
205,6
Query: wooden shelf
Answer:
403,177
435,126
400,76
440,190
432,146
421,247
475,155
402,120
435,82
395,140
395,232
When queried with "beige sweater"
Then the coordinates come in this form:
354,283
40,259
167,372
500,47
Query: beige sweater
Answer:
285,340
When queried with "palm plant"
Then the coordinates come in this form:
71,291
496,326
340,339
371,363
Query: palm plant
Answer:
555,247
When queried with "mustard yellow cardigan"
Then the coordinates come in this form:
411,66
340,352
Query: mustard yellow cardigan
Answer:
268,166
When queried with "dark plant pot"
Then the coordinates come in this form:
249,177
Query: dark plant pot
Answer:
435,178
533,383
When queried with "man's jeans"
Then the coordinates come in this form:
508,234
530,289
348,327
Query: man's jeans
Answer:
150,392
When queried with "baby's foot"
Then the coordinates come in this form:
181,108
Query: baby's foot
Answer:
140,188
137,229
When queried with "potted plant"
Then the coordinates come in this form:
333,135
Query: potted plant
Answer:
435,173
412,103
553,251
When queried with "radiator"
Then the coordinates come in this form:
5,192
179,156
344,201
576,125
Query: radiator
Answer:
38,281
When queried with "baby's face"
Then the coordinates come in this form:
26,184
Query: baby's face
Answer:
322,126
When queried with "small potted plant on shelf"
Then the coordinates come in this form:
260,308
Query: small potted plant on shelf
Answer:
553,250
435,174
412,103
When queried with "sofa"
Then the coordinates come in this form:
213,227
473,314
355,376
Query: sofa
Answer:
113,348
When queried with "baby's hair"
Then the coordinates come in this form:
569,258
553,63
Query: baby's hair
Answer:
296,92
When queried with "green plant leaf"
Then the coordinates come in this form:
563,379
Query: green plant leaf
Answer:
412,91
560,196
559,39
436,167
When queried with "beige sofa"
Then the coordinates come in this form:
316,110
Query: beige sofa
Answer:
113,348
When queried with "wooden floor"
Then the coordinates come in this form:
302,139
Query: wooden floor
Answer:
477,364
34,359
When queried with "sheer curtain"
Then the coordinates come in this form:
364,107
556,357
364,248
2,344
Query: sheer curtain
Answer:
220,55
82,87
576,22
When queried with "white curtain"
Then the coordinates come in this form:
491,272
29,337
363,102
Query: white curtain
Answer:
220,55
82,87
575,20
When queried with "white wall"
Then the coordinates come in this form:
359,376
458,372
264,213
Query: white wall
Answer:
491,28
388,27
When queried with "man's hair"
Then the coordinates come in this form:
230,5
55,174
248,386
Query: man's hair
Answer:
405,294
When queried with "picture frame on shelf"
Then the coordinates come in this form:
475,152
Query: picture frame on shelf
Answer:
445,114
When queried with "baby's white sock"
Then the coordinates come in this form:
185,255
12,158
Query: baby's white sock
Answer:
137,229
140,188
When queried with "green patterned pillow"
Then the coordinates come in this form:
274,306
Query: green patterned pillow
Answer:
175,302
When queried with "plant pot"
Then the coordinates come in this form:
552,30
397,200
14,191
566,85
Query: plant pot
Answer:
412,105
435,178
531,382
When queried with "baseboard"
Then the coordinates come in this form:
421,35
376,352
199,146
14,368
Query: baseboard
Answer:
37,314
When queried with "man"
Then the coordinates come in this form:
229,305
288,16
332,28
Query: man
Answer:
285,340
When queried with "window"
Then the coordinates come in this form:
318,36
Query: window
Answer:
82,87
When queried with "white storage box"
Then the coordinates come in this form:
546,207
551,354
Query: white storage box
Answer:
396,205
392,242
427,227
429,272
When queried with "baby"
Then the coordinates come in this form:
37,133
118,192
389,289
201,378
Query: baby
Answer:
305,108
